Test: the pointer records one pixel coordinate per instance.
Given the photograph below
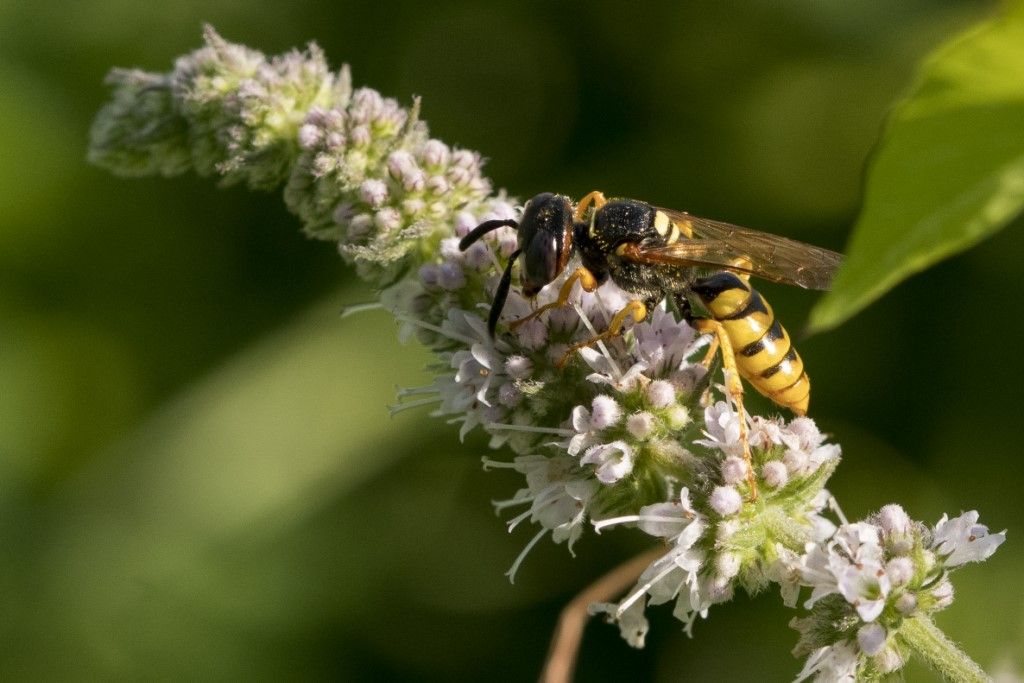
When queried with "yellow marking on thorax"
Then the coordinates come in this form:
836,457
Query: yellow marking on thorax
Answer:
662,223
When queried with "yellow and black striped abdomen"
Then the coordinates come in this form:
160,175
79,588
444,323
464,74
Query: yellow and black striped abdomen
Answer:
764,353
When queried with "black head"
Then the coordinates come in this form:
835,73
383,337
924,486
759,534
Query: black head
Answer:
545,238
545,242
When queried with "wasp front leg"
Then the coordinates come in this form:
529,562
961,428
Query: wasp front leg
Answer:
581,275
733,386
635,309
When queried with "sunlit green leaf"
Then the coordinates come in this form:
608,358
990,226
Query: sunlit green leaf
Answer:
949,170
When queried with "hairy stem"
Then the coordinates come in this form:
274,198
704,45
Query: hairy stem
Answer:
941,653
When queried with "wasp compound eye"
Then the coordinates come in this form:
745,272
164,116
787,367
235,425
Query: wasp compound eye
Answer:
540,262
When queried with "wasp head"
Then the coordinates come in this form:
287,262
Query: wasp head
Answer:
545,243
545,239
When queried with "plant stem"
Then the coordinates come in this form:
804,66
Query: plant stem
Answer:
941,653
566,640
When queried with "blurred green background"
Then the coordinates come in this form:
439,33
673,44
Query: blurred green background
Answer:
198,475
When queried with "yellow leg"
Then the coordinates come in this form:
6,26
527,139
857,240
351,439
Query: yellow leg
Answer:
581,275
596,198
712,350
636,309
709,357
734,386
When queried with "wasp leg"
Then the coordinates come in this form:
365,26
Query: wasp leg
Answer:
710,355
686,313
596,198
733,386
709,358
581,275
636,309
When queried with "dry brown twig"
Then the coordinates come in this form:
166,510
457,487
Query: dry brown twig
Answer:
565,643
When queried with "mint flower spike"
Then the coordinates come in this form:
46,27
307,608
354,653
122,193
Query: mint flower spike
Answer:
359,168
634,433
140,132
717,537
223,110
875,586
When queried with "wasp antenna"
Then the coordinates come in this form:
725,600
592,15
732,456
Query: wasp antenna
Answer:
484,228
501,294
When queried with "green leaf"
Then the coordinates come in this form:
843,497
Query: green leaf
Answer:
948,172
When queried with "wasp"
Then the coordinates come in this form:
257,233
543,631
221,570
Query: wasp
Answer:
656,254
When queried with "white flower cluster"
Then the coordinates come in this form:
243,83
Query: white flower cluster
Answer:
676,575
720,535
557,491
872,577
630,431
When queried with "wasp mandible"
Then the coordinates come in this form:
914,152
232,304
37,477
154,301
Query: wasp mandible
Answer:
654,254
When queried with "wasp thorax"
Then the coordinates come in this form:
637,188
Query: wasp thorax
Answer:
545,236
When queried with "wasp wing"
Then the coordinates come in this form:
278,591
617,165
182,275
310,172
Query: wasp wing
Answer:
730,247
